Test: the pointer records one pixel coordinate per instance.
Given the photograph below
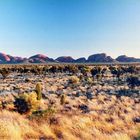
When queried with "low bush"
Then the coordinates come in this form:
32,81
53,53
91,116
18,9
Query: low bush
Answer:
74,80
133,81
4,72
26,103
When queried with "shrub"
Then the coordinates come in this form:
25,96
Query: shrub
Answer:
21,105
131,69
62,99
26,103
96,72
41,115
4,72
133,81
39,91
85,70
89,80
74,80
98,76
53,69
117,71
103,71
48,112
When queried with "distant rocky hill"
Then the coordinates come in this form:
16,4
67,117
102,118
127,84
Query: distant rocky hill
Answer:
124,58
40,58
81,60
4,58
65,59
10,59
102,57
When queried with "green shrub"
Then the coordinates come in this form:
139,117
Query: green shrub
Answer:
39,91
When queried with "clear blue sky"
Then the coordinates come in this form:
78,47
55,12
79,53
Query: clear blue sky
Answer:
70,27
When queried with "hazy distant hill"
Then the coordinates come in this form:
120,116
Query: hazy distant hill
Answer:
81,60
124,58
10,59
40,58
102,57
65,59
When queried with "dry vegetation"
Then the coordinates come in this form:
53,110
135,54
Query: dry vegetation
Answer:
69,102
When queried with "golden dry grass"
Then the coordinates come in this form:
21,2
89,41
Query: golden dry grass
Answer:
14,126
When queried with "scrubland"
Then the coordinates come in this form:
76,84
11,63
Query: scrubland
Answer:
70,102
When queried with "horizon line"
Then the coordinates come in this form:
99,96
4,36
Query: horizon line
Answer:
67,55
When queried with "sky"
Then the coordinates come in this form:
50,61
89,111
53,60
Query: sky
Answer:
74,28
